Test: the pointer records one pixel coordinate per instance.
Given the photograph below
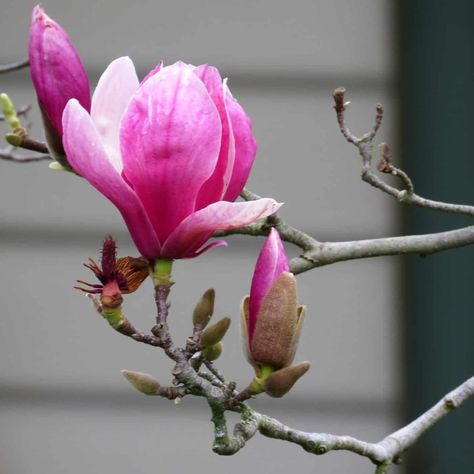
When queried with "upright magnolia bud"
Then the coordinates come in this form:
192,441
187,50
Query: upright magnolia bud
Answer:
271,319
144,383
204,308
57,73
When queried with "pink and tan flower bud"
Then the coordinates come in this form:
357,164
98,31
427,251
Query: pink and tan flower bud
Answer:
57,73
277,327
271,321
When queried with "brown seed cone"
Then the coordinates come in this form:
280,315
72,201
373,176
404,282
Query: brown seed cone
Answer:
204,309
280,382
278,324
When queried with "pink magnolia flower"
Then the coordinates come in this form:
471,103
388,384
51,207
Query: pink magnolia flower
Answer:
171,153
57,73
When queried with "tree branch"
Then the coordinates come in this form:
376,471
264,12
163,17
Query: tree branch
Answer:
332,252
384,453
365,147
4,68
316,253
9,154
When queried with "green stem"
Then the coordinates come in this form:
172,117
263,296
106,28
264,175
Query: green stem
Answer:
9,112
161,272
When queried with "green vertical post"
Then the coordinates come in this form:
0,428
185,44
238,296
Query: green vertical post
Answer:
437,137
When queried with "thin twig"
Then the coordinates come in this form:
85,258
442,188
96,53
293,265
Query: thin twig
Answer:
4,68
9,154
316,253
364,145
34,145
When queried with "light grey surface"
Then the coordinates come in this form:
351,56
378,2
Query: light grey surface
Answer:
63,404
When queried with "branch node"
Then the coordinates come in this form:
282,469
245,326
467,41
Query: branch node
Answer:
321,449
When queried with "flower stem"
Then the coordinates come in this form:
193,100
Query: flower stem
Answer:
161,272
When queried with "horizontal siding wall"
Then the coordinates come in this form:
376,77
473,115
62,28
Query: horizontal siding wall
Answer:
64,406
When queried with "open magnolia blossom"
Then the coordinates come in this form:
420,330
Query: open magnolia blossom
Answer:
171,152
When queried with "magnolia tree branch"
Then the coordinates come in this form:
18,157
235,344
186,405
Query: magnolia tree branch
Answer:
384,453
190,379
364,144
10,154
316,253
4,68
194,375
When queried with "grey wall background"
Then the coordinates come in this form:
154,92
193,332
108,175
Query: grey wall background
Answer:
64,407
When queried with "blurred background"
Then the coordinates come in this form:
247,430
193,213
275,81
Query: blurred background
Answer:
387,337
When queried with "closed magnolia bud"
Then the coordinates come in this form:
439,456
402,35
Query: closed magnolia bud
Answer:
271,319
280,382
204,309
278,326
57,73
211,353
144,383
213,334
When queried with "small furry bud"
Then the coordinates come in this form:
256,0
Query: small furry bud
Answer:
204,309
280,382
211,353
144,383
213,334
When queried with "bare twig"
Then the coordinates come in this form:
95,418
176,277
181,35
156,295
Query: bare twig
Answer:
364,145
4,68
125,327
34,145
316,253
9,154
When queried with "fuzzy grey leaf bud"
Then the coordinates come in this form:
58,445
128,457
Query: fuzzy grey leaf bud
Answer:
211,353
213,334
144,383
204,309
280,382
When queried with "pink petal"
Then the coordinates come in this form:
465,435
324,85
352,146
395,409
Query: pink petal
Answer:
156,69
87,156
113,92
214,188
56,69
197,228
245,147
271,262
170,139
